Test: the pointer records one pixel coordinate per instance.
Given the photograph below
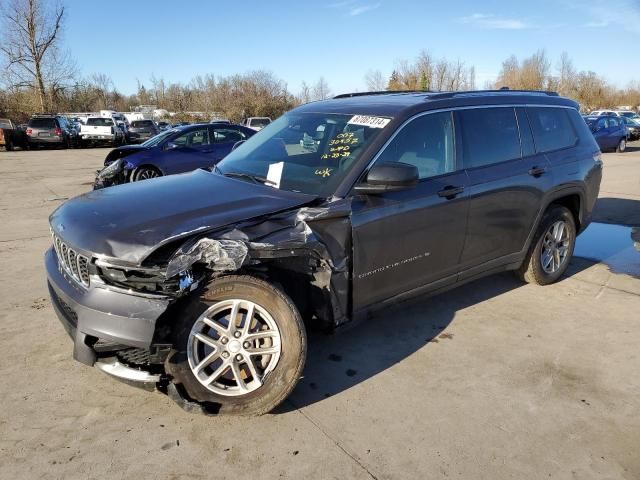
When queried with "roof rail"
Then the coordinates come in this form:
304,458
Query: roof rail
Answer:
380,92
502,91
433,95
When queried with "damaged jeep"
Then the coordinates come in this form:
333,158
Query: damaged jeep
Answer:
202,285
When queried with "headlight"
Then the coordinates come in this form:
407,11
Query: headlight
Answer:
111,170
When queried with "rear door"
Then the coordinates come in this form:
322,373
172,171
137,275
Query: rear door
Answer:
408,239
507,180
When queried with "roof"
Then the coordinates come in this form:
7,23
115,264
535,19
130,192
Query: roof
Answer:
391,103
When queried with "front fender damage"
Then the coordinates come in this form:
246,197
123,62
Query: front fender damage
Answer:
311,243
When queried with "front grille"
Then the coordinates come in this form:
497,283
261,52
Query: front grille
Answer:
76,265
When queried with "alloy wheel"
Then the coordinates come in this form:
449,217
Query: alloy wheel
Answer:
233,346
555,247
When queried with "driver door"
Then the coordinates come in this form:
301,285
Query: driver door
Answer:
408,239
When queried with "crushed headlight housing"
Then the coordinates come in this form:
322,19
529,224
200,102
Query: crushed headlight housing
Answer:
111,170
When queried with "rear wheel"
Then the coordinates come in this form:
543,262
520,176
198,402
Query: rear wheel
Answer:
551,248
145,173
622,145
8,146
240,345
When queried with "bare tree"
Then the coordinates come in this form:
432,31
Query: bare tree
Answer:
30,35
321,90
305,93
375,81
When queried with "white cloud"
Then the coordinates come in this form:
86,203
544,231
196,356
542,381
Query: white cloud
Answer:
360,9
601,13
491,21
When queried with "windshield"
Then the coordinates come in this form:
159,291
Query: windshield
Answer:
153,141
305,152
99,122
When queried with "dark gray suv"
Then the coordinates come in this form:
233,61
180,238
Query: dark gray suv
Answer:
50,130
203,284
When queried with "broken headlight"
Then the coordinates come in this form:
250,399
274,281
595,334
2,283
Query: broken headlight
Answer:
148,280
111,170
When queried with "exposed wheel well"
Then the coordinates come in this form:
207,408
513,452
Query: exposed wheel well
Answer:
572,202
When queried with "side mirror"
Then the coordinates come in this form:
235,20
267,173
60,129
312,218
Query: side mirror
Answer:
388,177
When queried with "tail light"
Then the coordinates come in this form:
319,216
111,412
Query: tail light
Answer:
58,132
29,131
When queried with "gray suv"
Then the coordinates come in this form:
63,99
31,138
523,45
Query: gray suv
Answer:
50,130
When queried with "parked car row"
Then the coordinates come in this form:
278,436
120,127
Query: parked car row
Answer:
49,130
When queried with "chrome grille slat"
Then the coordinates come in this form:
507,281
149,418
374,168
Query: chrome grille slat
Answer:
73,263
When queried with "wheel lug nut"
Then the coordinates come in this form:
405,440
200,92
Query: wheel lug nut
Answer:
224,340
225,354
246,345
237,334
238,357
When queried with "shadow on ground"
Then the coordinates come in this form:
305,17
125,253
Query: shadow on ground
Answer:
619,211
344,359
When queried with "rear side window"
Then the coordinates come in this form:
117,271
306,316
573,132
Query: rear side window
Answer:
42,123
427,143
552,129
141,123
489,135
224,135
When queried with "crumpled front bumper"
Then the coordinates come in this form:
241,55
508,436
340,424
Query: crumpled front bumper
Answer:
101,313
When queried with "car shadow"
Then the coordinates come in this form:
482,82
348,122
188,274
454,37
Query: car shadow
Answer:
344,359
619,211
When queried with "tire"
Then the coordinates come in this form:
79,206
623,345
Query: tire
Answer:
8,146
536,267
622,146
145,173
273,382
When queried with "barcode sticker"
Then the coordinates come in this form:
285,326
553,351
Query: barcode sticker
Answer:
368,121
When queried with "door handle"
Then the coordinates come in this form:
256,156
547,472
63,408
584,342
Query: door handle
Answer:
450,192
537,171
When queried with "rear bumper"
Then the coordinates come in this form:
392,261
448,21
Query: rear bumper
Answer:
97,138
100,313
45,140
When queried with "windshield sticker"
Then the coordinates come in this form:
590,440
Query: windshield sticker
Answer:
367,121
274,174
324,172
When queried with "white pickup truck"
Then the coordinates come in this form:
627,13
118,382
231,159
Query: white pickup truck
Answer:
101,130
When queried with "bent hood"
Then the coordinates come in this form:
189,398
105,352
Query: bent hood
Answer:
124,151
130,221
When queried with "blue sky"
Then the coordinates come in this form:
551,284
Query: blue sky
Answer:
343,39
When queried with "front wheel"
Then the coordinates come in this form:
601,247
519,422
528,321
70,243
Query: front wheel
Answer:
241,345
622,145
551,248
145,173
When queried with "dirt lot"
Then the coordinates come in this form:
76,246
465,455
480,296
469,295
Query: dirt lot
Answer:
493,380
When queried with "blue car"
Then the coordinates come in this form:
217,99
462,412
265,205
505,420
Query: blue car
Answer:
609,131
178,150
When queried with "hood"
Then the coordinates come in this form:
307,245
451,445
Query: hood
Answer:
130,221
124,151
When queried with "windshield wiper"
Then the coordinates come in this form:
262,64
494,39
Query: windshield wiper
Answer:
254,178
